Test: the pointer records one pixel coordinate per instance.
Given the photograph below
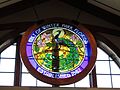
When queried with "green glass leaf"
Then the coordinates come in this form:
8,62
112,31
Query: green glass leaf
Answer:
36,48
47,65
45,60
50,44
48,56
76,56
79,43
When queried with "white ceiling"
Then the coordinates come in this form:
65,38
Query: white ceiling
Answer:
4,3
112,6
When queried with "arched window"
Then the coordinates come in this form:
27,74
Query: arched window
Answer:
107,72
7,66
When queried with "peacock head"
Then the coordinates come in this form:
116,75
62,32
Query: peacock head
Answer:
58,32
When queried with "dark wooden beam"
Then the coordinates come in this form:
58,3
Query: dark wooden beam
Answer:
14,26
93,78
92,28
95,29
109,43
17,28
94,10
20,27
18,65
19,6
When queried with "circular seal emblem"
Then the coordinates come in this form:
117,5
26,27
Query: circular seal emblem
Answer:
58,52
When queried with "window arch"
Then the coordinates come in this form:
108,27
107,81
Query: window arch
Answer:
110,72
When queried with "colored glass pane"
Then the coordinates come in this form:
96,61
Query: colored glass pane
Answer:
58,44
58,51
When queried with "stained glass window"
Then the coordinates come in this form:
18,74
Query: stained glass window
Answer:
59,51
68,48
109,78
7,66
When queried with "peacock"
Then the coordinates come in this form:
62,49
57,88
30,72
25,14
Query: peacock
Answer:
59,62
